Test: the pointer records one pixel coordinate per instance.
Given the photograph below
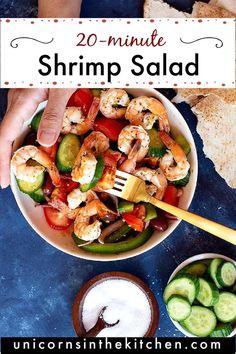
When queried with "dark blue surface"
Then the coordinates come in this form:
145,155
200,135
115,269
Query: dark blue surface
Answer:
38,283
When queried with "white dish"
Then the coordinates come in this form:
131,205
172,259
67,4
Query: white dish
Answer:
35,216
199,257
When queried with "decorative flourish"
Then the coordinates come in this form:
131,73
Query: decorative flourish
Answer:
219,43
15,45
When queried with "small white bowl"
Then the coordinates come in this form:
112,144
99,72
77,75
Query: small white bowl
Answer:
35,216
199,257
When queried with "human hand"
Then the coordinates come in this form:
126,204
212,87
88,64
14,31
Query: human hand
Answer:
22,103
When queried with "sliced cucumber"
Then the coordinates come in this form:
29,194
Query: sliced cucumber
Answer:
226,274
67,152
197,268
178,308
30,187
156,146
208,293
36,121
182,182
225,309
212,270
222,330
181,141
38,196
97,175
184,285
201,321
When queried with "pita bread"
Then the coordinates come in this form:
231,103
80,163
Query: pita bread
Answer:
217,128
158,8
193,96
229,5
201,9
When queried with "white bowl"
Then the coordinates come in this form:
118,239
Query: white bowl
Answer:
199,257
35,216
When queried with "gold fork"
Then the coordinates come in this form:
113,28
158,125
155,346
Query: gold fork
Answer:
134,189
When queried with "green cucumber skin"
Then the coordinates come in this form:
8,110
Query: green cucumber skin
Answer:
220,277
38,196
36,121
223,303
222,330
30,189
212,270
207,313
193,282
181,300
61,165
182,182
116,248
97,175
156,146
214,293
183,143
196,268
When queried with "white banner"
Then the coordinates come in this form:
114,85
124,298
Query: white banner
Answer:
118,53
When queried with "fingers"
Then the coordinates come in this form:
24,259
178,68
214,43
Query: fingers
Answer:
50,125
20,108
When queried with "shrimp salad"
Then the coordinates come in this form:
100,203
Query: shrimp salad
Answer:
102,131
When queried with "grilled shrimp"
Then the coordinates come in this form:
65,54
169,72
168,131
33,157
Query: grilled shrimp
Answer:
74,199
135,152
75,122
113,103
174,163
85,230
96,142
145,111
156,178
29,173
84,167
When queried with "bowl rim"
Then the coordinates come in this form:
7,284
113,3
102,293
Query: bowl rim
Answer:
77,306
197,257
144,248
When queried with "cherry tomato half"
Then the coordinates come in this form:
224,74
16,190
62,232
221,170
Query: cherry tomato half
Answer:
110,127
81,98
56,219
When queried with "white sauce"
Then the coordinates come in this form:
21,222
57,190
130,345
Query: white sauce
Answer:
126,302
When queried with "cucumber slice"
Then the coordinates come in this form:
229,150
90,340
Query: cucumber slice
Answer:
182,182
225,309
197,268
156,146
201,321
67,152
208,293
182,142
184,285
36,121
178,308
38,196
30,187
97,175
212,270
222,330
226,274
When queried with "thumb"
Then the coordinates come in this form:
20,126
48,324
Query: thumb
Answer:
51,122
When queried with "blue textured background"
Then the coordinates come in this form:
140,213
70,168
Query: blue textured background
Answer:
38,283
